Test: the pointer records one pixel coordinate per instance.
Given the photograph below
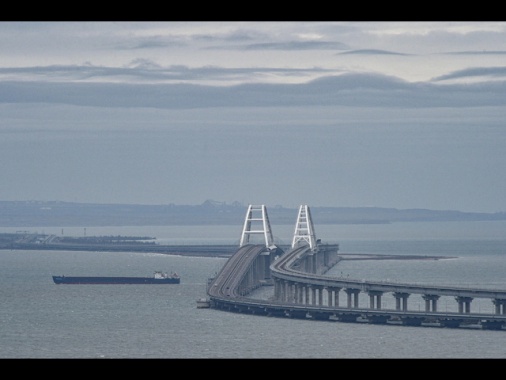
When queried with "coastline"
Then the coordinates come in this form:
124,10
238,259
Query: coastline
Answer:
143,244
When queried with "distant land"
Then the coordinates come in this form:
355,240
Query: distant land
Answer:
69,214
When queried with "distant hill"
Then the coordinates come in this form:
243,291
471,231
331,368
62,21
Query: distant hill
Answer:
68,214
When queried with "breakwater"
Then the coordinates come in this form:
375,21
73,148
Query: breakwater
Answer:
33,241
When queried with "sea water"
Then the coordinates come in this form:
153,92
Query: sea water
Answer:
39,319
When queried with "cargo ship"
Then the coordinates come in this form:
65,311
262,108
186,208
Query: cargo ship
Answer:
158,278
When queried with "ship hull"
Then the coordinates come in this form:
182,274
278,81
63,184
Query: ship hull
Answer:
114,280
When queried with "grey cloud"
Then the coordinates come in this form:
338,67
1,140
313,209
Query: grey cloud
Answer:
145,64
243,35
221,41
291,45
474,72
151,42
82,72
478,52
346,90
370,51
154,43
145,70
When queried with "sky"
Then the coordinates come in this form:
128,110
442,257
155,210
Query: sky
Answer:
340,114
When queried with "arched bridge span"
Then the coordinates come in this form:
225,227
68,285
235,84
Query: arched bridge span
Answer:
302,290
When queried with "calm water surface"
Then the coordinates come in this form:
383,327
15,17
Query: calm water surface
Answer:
39,319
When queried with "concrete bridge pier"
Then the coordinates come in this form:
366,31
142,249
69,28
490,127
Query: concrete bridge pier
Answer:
401,301
375,296
500,306
249,282
320,295
430,302
352,297
464,304
288,291
280,289
277,289
299,293
292,296
333,296
307,295
310,263
313,289
296,291
264,262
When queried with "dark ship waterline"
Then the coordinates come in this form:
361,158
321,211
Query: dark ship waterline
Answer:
158,278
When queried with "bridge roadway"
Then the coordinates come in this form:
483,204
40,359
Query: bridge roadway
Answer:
230,288
227,283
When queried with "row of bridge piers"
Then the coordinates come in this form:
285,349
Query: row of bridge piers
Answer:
302,291
318,259
320,295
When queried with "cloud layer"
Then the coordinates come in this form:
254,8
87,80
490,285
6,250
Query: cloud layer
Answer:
342,114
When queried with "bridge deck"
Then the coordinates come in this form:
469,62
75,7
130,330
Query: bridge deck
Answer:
224,295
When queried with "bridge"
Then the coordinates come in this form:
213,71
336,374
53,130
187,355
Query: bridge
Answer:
302,289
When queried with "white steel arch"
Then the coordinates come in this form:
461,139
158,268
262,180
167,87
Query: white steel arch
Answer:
257,218
304,229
